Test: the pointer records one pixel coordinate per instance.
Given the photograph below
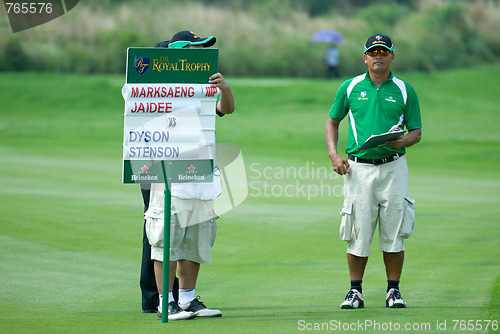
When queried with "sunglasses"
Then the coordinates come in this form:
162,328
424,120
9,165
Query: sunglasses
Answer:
374,53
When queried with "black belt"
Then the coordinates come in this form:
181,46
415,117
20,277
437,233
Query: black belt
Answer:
393,157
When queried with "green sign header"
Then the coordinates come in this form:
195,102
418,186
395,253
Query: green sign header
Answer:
161,65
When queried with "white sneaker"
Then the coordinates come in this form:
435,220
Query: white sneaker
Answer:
200,310
393,299
353,300
175,312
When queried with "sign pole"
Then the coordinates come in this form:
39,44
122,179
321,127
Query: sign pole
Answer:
167,213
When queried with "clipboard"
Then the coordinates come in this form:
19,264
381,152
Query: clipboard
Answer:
379,140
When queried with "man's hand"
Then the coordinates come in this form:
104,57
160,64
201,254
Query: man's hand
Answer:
339,164
217,80
226,102
410,139
396,143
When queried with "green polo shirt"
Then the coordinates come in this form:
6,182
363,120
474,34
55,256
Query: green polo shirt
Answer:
373,111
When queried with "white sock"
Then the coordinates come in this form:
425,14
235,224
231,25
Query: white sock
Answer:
159,306
185,296
170,297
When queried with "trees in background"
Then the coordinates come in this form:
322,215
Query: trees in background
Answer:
260,37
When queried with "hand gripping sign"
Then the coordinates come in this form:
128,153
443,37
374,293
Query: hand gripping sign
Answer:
169,123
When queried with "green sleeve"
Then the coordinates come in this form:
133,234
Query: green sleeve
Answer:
217,111
340,106
412,114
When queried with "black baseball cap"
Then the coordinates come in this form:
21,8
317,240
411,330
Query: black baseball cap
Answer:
378,40
185,38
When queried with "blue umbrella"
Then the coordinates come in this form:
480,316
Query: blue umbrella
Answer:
327,36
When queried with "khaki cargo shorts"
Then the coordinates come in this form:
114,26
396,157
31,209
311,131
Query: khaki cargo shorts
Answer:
376,194
193,229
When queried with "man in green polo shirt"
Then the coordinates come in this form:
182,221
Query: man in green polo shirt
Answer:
375,179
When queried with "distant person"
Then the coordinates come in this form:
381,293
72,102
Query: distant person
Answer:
332,62
376,179
193,226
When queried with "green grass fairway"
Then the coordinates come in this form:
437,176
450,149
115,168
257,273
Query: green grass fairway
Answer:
70,231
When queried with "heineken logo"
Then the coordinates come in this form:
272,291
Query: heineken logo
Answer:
143,174
191,175
137,178
199,178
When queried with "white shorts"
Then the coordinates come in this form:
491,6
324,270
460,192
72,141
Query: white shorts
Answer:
376,194
193,229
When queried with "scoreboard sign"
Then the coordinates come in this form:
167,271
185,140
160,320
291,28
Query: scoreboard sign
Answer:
169,122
